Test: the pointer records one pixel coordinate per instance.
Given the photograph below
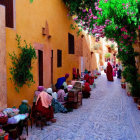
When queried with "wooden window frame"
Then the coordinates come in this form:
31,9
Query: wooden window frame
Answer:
9,12
59,58
71,45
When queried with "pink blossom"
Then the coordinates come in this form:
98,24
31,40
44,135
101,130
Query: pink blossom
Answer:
84,10
90,11
75,18
95,17
96,7
123,29
95,4
139,27
123,4
99,9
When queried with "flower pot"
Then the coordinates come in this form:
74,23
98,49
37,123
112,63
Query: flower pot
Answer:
138,107
135,99
138,101
124,86
128,93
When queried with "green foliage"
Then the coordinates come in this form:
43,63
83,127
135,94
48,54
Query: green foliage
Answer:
21,65
107,55
31,1
112,47
123,17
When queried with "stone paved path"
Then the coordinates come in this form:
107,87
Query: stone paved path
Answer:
108,115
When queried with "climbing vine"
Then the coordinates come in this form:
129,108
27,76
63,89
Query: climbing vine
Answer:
31,1
118,22
21,65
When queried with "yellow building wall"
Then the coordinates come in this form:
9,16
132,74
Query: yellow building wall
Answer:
93,58
30,18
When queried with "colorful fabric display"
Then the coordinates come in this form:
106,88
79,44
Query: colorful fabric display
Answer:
70,87
16,119
3,118
58,107
10,112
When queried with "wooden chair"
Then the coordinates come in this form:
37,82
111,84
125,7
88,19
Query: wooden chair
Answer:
37,117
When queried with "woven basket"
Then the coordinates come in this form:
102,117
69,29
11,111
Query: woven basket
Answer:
3,119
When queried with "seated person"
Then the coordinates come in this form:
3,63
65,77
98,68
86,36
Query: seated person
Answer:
65,87
78,74
86,71
74,74
37,92
91,80
61,80
86,77
24,107
86,90
43,105
61,95
53,94
58,107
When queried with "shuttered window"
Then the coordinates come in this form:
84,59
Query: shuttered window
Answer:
59,58
71,43
8,12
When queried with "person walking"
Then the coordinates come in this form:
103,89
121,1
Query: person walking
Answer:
109,72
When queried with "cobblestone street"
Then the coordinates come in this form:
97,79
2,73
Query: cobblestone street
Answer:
109,114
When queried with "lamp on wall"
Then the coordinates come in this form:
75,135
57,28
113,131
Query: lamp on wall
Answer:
43,31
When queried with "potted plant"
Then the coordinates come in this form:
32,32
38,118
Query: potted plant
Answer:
123,85
107,56
128,93
138,104
112,47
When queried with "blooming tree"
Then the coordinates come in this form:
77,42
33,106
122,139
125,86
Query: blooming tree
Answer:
115,20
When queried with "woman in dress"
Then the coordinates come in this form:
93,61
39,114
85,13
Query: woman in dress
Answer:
57,106
43,105
61,80
74,74
109,72
86,90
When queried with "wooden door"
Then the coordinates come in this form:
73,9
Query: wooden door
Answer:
40,67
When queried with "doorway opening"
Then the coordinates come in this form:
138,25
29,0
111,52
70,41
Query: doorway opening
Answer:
52,67
40,67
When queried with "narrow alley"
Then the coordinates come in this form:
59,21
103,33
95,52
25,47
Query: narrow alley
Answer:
109,114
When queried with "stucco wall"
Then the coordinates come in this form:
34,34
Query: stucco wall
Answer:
30,18
3,84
